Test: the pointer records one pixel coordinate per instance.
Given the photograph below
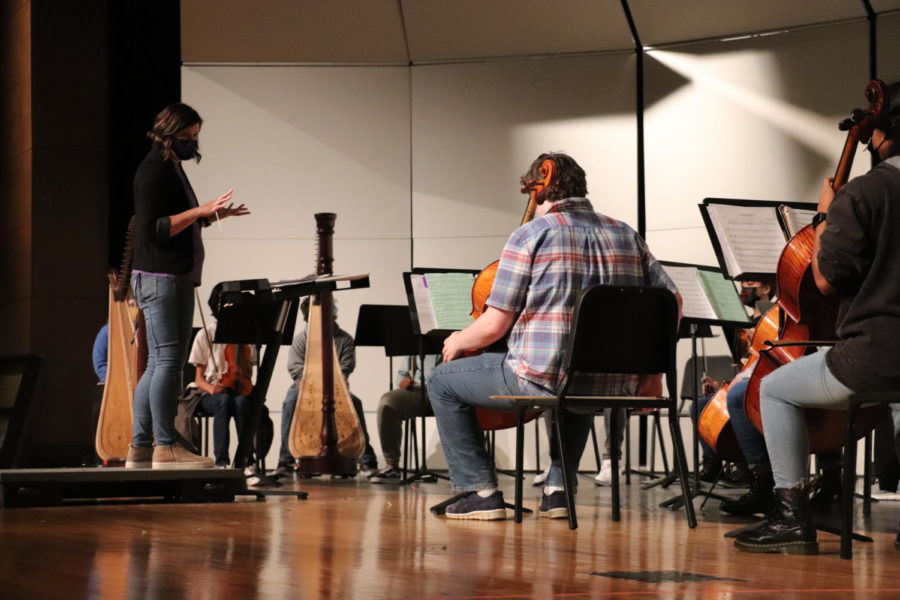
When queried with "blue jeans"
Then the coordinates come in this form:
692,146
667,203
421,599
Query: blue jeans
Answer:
751,441
367,461
168,307
456,388
784,394
223,407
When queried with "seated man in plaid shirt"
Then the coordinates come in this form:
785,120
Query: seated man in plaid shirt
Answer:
544,265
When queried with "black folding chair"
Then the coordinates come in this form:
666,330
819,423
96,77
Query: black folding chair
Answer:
615,330
857,401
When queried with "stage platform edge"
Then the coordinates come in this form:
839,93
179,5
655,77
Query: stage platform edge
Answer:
21,488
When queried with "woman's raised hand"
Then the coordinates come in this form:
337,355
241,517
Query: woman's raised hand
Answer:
213,206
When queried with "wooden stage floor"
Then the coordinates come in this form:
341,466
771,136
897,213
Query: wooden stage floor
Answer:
356,540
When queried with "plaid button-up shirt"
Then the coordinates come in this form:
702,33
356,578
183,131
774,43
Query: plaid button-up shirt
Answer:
543,267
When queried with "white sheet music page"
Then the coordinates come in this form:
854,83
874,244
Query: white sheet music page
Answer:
694,303
750,236
796,218
422,298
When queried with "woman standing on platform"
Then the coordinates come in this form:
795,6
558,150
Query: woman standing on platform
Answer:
168,260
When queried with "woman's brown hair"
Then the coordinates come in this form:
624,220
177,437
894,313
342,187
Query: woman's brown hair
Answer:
172,120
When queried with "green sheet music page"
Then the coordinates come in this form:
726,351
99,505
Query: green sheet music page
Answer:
451,297
723,296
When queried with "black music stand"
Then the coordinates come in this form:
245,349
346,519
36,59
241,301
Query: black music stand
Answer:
256,311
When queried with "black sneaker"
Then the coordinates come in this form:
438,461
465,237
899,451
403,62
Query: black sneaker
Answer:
387,475
283,472
553,506
825,491
710,469
737,475
475,507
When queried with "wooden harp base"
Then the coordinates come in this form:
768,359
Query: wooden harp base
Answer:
326,465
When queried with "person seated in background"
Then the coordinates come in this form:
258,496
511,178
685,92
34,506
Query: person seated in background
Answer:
223,377
346,351
406,401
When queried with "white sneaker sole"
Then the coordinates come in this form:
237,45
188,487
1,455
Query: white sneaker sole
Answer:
138,465
183,466
496,514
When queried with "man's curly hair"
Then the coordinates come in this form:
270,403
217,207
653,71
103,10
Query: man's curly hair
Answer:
569,181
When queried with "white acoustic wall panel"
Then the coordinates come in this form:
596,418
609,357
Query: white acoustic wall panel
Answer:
294,141
753,119
477,127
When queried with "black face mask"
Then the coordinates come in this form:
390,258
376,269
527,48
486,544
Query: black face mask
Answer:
185,149
750,296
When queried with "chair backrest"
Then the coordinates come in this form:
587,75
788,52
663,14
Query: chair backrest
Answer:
623,329
18,377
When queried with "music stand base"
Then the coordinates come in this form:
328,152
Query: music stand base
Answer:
676,502
425,476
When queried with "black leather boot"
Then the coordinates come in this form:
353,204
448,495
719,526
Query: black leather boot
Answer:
758,500
790,528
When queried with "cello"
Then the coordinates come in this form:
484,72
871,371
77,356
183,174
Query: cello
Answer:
325,433
806,314
490,420
126,361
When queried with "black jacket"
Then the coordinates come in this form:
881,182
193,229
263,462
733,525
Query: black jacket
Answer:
859,253
159,194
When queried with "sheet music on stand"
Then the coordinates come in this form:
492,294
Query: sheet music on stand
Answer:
706,295
749,235
440,300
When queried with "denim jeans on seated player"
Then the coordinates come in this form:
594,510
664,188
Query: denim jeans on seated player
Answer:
454,389
751,441
168,307
784,395
223,407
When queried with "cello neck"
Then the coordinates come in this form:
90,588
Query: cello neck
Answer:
530,208
842,173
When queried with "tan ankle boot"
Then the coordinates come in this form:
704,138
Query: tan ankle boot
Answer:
177,457
139,457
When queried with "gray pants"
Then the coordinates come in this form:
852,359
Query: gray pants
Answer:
395,407
785,395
